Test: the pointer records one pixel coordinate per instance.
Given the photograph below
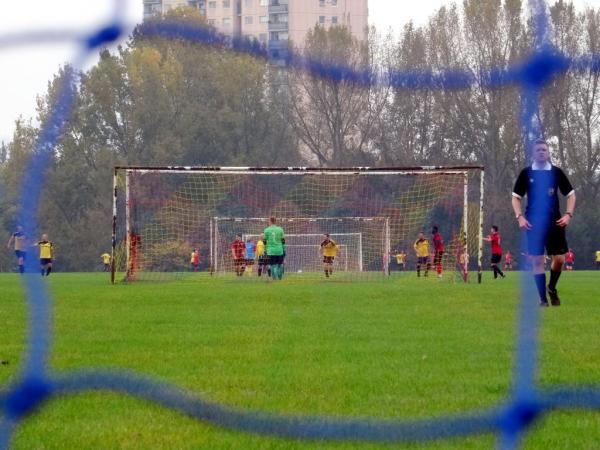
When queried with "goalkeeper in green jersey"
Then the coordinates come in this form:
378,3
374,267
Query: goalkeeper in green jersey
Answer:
274,241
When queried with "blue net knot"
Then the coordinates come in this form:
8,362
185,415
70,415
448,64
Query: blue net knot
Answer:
544,65
107,34
26,397
520,414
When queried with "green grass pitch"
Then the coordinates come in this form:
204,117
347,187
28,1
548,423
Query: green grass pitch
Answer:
403,348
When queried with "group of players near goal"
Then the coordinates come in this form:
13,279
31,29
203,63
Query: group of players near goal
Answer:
270,251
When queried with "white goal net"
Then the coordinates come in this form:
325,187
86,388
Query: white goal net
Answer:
162,214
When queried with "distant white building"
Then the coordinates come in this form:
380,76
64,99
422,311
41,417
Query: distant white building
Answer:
273,22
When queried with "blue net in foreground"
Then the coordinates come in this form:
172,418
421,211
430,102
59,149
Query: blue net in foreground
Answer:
509,420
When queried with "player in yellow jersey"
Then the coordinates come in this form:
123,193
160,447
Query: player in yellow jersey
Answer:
46,254
401,260
261,256
106,261
329,249
19,240
421,247
598,260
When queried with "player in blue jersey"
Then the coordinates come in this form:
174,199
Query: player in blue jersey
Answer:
250,255
542,221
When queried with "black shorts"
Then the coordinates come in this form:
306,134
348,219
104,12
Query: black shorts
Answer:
422,259
263,260
328,259
551,237
44,261
20,254
276,259
496,258
250,261
239,262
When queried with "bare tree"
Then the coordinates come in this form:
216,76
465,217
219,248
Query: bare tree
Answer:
334,117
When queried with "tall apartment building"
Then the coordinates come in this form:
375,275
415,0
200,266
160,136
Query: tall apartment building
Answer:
152,7
274,22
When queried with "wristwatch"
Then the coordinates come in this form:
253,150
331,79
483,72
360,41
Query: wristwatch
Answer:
518,215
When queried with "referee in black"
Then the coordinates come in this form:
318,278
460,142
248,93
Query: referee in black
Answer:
542,220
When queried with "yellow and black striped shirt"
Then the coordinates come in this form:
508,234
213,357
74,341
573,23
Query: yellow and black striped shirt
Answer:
260,248
46,249
422,248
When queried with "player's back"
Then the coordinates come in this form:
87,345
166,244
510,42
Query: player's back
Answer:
274,238
438,242
250,249
260,248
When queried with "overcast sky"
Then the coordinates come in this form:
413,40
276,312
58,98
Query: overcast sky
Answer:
26,70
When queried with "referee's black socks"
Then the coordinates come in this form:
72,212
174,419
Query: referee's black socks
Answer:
554,276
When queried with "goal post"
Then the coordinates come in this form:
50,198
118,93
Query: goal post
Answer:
161,214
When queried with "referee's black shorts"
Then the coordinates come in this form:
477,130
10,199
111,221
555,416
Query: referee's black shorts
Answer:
547,235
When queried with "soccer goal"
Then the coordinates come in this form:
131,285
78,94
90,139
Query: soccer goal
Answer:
161,214
362,243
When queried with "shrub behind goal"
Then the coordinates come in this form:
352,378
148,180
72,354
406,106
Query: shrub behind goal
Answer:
162,214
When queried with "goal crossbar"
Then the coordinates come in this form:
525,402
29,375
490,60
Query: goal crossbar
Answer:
422,170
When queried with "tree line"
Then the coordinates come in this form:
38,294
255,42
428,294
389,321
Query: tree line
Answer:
171,102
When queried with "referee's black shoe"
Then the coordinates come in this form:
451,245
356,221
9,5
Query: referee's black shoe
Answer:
553,294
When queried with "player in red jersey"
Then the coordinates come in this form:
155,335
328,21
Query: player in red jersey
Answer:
507,260
438,246
195,260
569,259
238,252
494,239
